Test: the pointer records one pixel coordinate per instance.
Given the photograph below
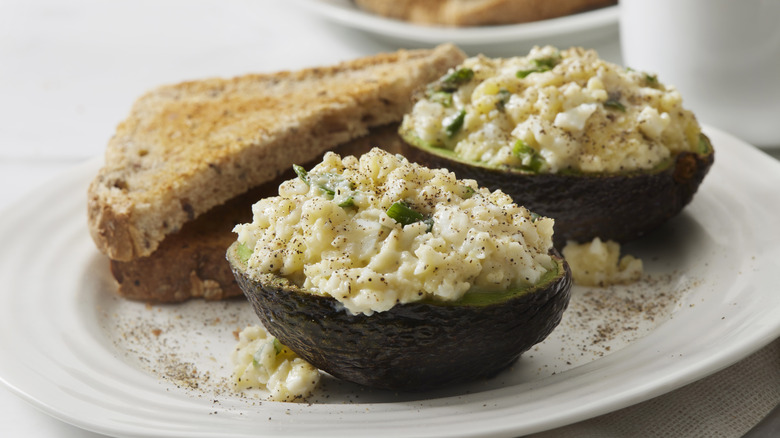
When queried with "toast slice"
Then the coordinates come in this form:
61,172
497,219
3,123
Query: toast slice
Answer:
191,262
188,147
462,13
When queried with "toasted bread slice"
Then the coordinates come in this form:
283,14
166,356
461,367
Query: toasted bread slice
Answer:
186,148
462,13
191,262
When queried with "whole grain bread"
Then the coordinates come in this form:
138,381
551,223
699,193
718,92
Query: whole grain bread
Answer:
462,13
191,262
187,148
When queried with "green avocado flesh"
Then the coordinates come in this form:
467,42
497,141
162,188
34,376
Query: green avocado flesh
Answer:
611,206
411,347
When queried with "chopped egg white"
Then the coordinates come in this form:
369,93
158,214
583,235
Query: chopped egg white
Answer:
574,119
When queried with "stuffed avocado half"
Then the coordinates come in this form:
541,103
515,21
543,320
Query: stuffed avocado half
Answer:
393,275
606,151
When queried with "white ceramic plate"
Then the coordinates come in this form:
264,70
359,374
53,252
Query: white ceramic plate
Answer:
575,29
72,348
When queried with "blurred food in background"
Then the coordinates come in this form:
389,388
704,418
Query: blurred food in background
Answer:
465,13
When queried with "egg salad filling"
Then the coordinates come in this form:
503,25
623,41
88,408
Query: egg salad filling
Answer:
260,361
378,230
554,111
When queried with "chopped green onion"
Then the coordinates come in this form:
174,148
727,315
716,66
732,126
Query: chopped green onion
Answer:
652,80
548,62
403,214
523,73
521,148
530,158
454,126
456,78
448,84
536,164
534,216
540,65
615,104
328,183
467,192
327,189
441,97
302,173
503,98
349,202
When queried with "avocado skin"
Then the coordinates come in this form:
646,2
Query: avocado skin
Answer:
411,347
619,207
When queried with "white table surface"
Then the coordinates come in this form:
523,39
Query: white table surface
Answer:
69,72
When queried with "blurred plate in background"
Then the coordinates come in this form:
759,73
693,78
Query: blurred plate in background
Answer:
579,29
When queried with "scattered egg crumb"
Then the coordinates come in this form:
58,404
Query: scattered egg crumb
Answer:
598,263
262,362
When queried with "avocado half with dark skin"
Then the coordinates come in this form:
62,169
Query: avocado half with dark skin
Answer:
411,347
611,206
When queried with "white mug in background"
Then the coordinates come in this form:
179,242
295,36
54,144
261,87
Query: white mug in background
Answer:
722,55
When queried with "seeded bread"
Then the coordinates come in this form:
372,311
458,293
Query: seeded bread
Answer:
189,147
461,13
191,262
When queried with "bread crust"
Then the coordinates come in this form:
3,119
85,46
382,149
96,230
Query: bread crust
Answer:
463,13
191,262
188,147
